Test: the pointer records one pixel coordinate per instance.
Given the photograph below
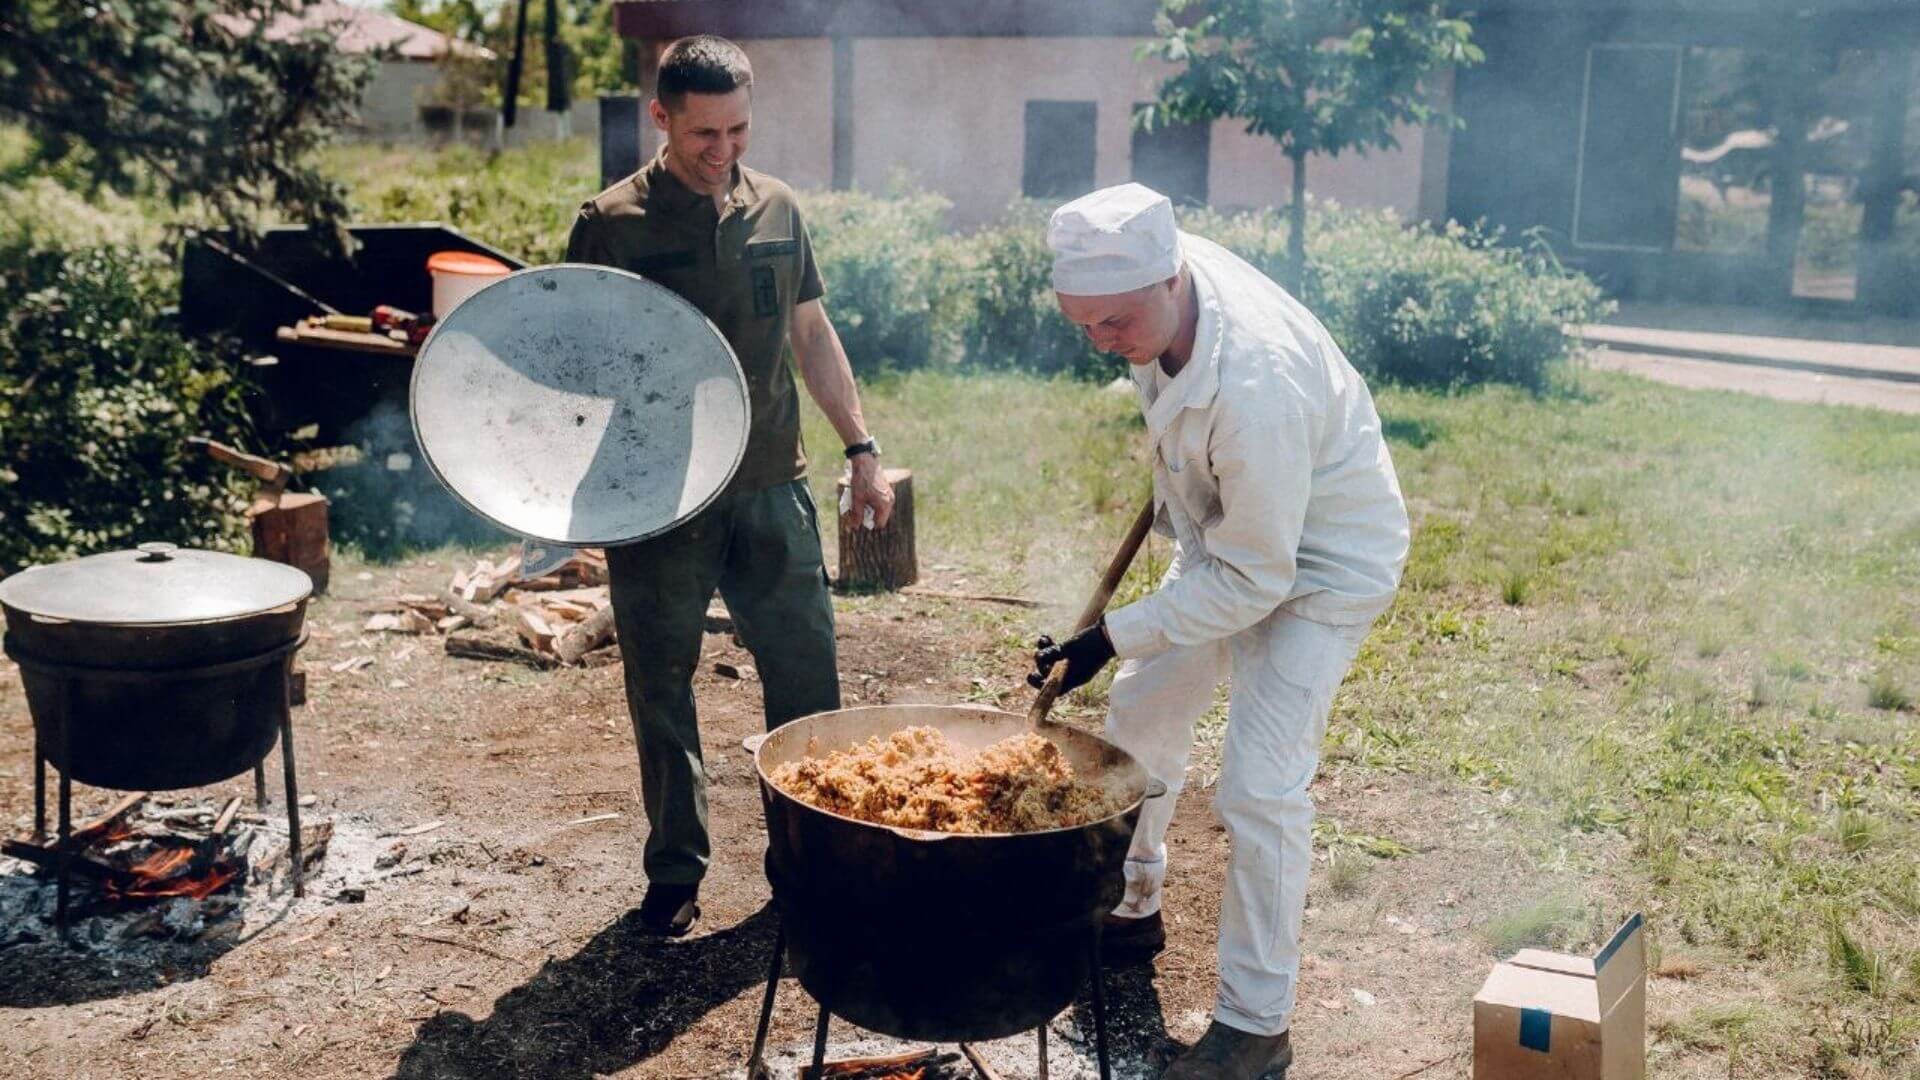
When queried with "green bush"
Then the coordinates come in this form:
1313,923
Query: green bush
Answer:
97,397
1423,306
1013,321
1438,307
892,289
1420,305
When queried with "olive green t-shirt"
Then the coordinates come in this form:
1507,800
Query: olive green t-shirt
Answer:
744,266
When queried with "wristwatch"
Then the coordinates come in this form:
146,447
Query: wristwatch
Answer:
871,446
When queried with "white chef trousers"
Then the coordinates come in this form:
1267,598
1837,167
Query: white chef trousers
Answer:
1285,670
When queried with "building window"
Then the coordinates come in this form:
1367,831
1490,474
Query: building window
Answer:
1059,150
1628,178
1172,160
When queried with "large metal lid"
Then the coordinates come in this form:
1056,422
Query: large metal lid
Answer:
157,585
580,405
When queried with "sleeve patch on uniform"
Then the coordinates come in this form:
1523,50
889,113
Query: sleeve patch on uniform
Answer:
766,293
665,260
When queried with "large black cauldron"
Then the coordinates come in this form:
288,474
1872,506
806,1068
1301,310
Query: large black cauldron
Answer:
155,669
936,937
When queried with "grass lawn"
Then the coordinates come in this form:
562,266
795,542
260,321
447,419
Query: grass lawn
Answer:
1675,635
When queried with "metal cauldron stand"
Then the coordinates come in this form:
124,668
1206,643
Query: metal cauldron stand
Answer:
757,1065
69,676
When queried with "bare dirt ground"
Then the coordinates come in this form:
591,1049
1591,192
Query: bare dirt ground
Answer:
506,947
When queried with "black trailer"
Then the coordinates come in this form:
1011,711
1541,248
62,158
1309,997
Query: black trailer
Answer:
351,397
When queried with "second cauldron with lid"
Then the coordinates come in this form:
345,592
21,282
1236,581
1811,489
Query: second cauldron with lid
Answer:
157,668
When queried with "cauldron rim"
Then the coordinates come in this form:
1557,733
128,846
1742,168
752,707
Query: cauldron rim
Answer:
1143,782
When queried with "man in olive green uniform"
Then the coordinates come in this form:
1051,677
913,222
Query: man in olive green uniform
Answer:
730,240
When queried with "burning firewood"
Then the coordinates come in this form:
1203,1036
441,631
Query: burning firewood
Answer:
917,1065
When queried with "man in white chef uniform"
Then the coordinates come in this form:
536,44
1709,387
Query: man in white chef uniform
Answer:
1271,475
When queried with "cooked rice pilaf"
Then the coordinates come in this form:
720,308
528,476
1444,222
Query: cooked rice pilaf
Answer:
915,779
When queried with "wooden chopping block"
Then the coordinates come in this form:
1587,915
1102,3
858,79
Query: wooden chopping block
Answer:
293,530
879,559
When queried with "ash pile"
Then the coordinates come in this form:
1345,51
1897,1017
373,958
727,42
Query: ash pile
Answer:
155,869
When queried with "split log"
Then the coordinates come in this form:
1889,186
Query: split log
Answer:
986,1071
93,830
533,629
585,636
474,647
605,656
314,841
473,613
872,1067
880,559
292,529
49,859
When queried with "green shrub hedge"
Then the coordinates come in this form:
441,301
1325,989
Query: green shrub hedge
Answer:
97,398
894,294
1421,306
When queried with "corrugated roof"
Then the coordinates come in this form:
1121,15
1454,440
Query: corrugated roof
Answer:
362,30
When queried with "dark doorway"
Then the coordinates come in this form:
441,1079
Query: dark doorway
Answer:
1059,149
1625,191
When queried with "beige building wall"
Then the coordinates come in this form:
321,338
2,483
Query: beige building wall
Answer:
948,114
388,106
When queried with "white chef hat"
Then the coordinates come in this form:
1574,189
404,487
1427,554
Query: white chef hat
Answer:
1114,240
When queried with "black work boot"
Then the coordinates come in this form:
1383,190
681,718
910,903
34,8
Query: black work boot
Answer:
669,910
1125,942
1226,1053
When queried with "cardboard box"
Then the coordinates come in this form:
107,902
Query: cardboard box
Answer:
1548,1015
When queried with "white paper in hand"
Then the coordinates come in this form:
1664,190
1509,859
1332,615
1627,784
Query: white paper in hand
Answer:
846,507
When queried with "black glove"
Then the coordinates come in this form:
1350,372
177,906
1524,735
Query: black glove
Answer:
1085,653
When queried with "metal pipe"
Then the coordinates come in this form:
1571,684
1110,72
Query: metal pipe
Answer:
293,788
65,850
756,1062
39,790
64,863
820,1042
1100,1010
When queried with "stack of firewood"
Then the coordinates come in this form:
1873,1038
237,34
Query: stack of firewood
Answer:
561,617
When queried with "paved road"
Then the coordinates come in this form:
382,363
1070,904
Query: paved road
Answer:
1897,362
1773,382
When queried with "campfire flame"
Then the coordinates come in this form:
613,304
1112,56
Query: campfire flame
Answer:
170,867
169,872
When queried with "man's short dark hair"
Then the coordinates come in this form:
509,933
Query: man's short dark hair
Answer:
701,65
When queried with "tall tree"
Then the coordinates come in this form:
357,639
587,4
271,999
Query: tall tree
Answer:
1318,76
220,101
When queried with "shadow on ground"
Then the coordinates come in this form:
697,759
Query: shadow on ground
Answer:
618,1001
1136,1025
105,956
